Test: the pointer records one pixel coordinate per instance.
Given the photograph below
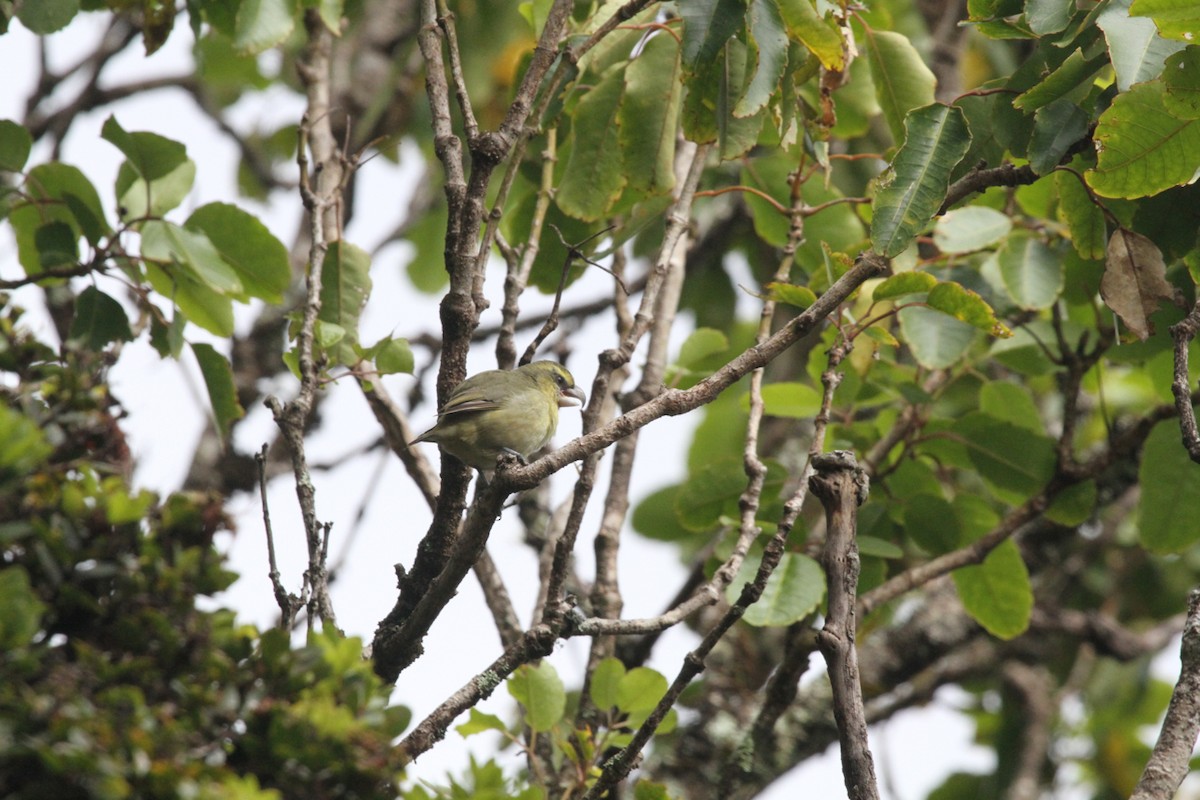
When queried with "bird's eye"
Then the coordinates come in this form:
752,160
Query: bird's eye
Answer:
561,380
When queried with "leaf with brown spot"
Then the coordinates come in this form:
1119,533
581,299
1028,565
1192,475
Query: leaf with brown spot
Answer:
1135,282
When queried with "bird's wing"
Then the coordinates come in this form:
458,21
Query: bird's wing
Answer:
468,404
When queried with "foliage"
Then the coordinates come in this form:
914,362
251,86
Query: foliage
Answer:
1007,386
115,684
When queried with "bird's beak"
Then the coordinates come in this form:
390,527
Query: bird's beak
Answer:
568,397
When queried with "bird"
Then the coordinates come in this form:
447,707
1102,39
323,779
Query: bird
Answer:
503,411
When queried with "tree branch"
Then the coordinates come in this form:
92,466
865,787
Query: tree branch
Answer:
841,486
1169,761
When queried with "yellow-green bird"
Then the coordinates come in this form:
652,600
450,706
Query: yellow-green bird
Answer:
503,411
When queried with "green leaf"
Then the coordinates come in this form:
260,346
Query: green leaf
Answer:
708,493
42,17
916,183
903,283
700,344
970,228
769,49
1011,402
345,285
1072,79
593,179
997,593
790,400
1182,78
936,340
427,234
640,689
646,790
930,521
1010,458
330,12
57,245
820,37
879,548
966,306
707,26
218,377
1083,217
602,687
167,338
648,116
99,320
1170,497
1031,271
138,199
22,618
1056,129
169,243
479,722
208,308
57,193
902,81
1048,16
1143,148
655,517
794,590
262,24
15,144
393,356
1175,19
1137,51
150,155
798,296
257,257
540,691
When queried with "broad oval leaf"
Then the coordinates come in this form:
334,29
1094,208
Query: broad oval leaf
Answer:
936,140
540,691
794,590
1083,216
1175,19
1031,271
821,38
1170,499
594,177
259,259
1010,458
169,243
99,320
1143,148
936,339
997,593
791,400
903,283
902,81
648,116
262,24
966,306
640,689
970,228
15,144
1136,49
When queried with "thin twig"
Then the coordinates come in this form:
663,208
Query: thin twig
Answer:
1182,333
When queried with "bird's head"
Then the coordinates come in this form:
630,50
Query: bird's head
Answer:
555,378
